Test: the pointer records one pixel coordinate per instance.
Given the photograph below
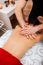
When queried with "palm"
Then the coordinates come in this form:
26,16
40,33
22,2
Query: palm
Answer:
29,29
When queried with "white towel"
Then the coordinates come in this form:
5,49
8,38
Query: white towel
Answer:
34,56
5,37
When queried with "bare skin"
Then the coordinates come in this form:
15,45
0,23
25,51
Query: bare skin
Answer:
18,44
18,11
27,9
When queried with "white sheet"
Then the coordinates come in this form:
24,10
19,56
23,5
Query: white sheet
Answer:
4,37
33,56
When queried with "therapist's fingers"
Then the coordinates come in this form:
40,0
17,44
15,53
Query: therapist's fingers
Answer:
23,32
33,36
27,36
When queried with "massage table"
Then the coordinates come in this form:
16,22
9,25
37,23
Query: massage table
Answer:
33,56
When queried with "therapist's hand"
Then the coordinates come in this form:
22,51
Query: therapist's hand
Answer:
29,31
32,36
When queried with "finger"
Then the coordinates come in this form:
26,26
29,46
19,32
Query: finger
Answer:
23,33
24,28
27,36
33,35
30,36
26,24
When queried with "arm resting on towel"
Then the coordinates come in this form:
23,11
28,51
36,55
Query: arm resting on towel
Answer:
17,44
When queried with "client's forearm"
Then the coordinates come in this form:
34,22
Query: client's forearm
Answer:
17,44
